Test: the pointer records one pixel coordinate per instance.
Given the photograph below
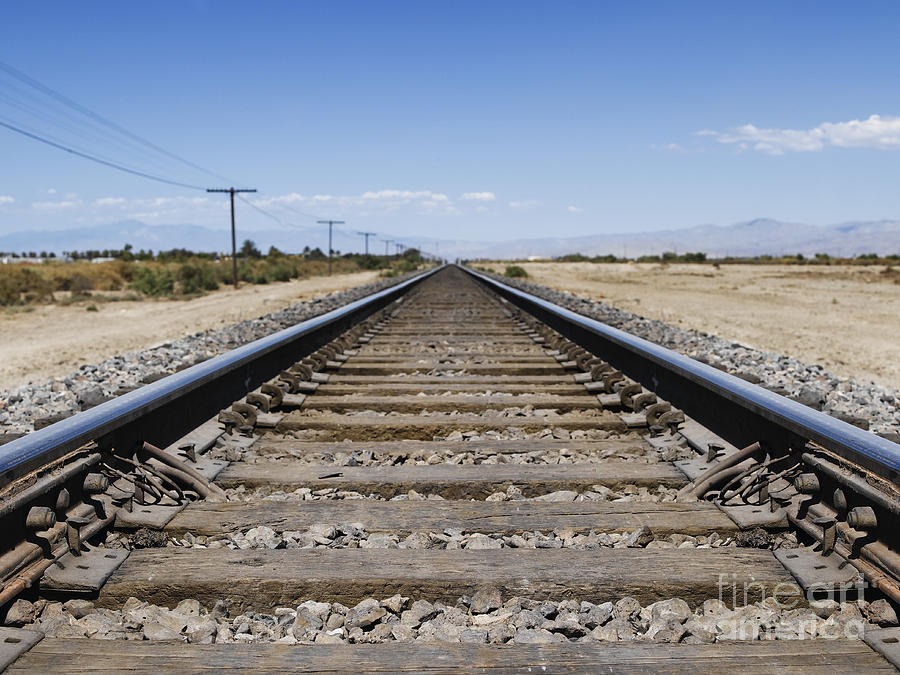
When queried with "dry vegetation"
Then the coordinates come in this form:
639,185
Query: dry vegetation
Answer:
49,340
186,276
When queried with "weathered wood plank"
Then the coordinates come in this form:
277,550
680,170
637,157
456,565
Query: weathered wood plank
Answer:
434,360
467,481
408,448
505,354
784,656
422,342
546,368
394,388
480,332
343,378
284,577
403,517
425,428
414,404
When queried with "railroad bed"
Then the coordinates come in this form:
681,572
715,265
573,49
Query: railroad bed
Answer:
444,489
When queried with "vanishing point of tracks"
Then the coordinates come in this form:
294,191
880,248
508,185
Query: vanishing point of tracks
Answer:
448,480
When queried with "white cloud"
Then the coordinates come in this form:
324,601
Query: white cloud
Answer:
51,191
406,195
673,147
111,201
523,205
390,200
57,206
479,196
210,209
6,199
574,209
877,132
291,198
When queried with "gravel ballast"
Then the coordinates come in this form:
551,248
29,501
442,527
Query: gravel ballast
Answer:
597,493
355,535
865,404
483,618
48,400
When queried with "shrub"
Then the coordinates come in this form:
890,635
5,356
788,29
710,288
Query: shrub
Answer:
9,291
515,271
22,283
196,277
371,262
80,284
282,270
81,277
153,281
245,273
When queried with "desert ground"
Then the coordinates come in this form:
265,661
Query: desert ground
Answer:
51,340
846,318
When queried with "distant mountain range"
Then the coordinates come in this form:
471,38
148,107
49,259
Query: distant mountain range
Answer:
756,237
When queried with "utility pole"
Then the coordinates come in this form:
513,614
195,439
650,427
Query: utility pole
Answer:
367,235
231,191
330,223
386,243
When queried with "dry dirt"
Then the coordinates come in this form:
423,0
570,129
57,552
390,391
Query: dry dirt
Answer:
846,318
53,340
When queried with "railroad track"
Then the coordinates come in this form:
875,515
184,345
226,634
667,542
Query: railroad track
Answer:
449,475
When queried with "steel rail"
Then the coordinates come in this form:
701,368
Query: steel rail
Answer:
735,409
163,411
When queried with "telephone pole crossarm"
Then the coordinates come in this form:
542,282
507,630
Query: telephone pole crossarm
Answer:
232,191
367,235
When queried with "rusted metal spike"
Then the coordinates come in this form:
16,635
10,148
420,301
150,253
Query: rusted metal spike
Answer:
829,533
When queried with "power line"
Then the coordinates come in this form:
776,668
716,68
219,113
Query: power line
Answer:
298,211
85,155
60,141
26,94
261,210
278,220
65,125
55,115
30,81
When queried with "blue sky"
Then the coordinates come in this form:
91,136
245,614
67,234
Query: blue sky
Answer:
478,120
